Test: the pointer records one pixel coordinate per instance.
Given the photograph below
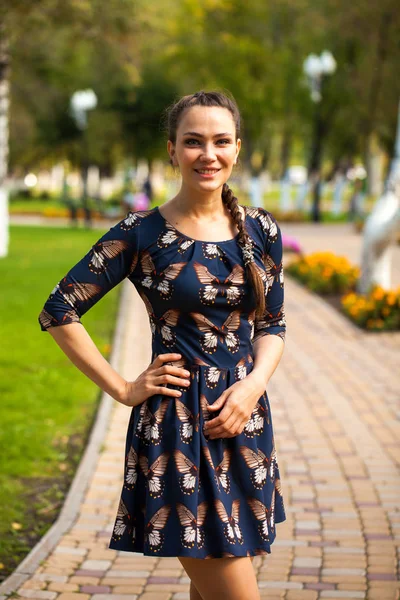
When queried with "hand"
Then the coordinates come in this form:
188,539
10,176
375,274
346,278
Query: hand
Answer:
151,380
238,402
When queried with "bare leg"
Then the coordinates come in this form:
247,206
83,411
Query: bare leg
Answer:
194,594
222,578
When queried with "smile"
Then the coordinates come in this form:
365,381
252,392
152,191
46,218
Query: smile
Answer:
207,171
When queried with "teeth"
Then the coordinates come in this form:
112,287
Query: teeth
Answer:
207,170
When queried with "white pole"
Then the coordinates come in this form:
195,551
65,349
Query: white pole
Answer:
4,101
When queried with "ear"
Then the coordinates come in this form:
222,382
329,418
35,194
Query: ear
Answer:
238,146
171,152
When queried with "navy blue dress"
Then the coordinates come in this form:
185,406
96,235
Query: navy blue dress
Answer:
185,494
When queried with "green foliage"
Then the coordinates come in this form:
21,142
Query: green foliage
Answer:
47,405
138,57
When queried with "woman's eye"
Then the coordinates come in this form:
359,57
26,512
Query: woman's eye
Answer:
225,141
188,141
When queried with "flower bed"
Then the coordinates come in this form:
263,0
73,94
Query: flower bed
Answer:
334,278
324,272
378,311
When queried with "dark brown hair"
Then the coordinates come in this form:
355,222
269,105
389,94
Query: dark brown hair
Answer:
173,115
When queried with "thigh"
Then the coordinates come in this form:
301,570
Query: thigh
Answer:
225,578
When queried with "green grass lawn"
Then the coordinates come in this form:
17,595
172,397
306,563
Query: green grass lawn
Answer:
47,405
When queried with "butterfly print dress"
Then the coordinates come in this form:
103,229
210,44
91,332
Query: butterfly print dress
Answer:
185,494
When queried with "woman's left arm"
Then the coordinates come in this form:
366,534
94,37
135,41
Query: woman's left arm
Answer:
238,401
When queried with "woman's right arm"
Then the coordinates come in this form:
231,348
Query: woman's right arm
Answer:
113,258
77,344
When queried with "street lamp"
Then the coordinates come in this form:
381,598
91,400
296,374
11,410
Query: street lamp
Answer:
316,67
81,102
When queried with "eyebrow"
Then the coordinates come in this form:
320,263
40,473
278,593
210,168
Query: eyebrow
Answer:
194,133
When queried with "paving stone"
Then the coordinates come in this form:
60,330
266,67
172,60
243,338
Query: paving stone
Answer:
95,589
342,594
96,565
115,597
41,594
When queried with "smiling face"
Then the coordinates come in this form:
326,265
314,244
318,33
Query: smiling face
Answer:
206,147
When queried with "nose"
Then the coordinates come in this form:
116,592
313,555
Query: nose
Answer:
208,153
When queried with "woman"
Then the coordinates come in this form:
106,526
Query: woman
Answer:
201,478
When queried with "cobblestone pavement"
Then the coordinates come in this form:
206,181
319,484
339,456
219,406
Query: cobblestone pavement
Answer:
336,416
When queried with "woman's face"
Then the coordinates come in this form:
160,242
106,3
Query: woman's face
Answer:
205,149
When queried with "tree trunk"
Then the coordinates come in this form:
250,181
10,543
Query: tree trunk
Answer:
4,102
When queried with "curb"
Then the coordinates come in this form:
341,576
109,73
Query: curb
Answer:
81,480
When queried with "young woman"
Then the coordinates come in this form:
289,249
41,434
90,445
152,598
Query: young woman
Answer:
201,477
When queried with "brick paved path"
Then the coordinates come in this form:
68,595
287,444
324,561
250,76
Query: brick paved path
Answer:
336,416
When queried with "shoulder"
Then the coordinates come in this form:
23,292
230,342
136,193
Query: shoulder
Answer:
264,221
135,220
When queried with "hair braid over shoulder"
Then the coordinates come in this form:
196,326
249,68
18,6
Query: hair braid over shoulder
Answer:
231,202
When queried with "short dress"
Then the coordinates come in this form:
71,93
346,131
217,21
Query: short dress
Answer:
183,493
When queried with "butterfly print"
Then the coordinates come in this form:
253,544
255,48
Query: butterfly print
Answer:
270,320
192,527
241,366
207,454
213,286
251,319
150,424
159,281
258,462
133,219
211,374
153,530
46,319
74,293
221,470
213,333
212,251
171,235
154,473
163,324
204,404
262,514
232,530
102,251
272,272
131,472
255,424
273,464
267,222
189,422
190,472
139,424
123,522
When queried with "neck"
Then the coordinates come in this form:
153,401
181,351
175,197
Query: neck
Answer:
198,205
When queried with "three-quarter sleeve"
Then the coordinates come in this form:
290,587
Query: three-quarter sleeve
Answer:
273,321
110,260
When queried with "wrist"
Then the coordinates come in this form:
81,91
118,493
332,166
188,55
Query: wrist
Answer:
122,393
259,378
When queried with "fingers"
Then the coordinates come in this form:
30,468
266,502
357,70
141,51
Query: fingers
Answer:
168,378
162,358
157,389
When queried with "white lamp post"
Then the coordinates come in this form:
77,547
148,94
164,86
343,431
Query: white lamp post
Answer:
81,102
316,67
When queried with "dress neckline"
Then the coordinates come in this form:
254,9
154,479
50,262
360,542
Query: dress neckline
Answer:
230,240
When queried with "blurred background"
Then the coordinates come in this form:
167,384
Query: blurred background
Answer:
83,89
317,84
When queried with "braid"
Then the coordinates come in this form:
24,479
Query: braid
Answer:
245,243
